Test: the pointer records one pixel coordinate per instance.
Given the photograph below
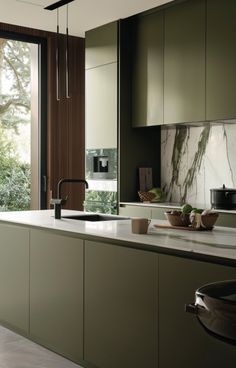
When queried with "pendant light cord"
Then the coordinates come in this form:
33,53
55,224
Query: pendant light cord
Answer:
67,55
57,59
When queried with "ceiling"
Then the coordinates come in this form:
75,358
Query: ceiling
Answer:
83,14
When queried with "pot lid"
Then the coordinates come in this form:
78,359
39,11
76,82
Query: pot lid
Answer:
224,290
224,189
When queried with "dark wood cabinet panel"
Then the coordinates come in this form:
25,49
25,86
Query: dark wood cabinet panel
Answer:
66,123
221,60
184,62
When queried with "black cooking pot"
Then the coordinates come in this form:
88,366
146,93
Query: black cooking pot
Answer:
223,198
215,308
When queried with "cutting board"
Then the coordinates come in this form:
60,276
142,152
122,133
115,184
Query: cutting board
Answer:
188,228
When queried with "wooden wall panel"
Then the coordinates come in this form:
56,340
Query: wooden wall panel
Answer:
65,118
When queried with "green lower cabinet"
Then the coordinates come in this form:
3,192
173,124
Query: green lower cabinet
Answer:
183,342
159,213
56,293
134,211
121,307
14,278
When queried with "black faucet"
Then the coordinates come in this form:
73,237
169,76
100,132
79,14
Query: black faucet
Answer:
58,202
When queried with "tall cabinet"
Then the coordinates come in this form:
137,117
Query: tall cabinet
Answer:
101,87
109,131
101,118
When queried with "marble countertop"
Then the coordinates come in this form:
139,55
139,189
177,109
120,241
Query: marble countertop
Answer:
218,245
169,205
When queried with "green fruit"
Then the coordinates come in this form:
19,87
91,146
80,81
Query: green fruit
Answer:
186,208
199,210
159,195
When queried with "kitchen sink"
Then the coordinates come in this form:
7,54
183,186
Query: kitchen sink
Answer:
95,217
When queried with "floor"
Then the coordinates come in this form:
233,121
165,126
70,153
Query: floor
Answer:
18,352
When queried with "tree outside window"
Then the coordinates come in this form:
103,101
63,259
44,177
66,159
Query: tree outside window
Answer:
15,124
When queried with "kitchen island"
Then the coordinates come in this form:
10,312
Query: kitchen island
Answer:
104,297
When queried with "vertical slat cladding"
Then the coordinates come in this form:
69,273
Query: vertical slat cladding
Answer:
65,125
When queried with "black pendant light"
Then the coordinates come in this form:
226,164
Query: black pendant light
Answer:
58,4
54,6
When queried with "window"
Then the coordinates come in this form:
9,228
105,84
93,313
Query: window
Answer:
22,122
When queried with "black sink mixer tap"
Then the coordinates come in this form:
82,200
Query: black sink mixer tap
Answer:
59,202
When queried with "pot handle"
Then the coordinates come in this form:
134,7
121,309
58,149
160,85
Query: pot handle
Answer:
227,194
191,308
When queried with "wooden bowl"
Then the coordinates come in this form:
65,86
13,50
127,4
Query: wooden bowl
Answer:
209,220
177,219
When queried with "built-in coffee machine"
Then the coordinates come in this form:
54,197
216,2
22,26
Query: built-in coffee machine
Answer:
101,174
101,167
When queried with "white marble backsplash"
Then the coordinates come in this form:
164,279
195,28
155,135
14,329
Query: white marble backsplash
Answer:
195,159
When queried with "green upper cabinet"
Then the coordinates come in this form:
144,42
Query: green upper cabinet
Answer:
101,45
147,74
101,107
184,62
221,60
101,87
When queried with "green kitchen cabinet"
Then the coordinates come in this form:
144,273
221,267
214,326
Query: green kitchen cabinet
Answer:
221,60
183,342
134,211
184,62
56,293
101,107
101,45
121,307
14,278
147,77
158,213
226,219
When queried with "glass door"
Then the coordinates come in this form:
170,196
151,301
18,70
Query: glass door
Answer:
21,160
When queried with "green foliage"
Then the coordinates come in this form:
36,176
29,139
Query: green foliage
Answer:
100,201
15,188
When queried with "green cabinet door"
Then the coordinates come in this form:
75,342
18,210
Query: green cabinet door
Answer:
101,107
14,278
121,296
101,45
56,293
135,211
221,60
147,78
184,62
183,342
